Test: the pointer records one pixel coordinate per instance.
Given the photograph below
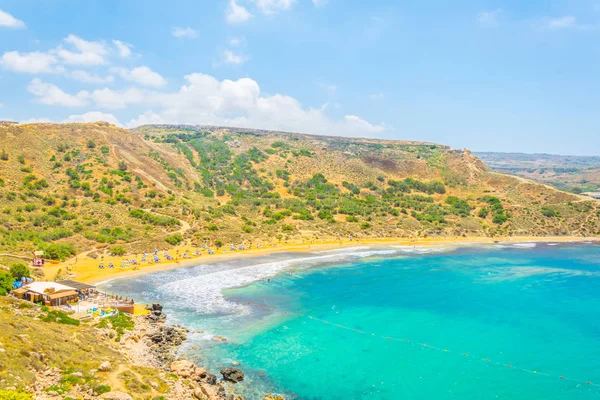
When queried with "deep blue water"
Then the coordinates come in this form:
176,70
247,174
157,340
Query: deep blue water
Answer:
481,322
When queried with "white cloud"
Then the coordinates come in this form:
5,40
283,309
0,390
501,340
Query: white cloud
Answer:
206,100
36,121
73,58
88,53
270,7
231,58
147,118
142,75
108,98
236,13
31,63
562,22
93,116
8,21
489,18
186,32
237,41
123,48
330,88
50,94
82,52
319,3
86,46
86,77
376,96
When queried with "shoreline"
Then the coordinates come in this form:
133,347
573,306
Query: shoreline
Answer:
86,270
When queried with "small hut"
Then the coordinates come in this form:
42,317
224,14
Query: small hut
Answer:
38,258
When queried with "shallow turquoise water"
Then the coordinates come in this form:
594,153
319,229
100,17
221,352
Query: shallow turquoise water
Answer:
535,308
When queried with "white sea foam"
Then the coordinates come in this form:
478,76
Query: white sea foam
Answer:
422,249
202,291
524,245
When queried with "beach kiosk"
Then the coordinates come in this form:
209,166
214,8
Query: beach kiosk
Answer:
50,293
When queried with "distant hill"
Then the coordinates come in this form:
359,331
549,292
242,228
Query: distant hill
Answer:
98,187
577,174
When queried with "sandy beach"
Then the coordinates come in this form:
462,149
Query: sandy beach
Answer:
85,269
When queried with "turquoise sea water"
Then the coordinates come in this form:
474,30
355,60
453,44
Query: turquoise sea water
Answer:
478,309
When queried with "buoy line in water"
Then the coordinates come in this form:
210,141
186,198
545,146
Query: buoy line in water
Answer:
414,343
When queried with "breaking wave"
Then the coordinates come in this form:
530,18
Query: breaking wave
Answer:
200,288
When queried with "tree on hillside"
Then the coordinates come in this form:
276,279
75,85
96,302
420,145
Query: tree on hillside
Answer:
19,271
6,282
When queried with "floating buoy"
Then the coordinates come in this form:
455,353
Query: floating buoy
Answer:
466,355
561,377
589,383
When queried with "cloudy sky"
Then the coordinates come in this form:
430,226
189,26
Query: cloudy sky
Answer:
502,75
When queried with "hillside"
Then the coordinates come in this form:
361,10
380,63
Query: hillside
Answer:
577,174
69,188
47,355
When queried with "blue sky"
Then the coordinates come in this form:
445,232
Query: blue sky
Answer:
484,75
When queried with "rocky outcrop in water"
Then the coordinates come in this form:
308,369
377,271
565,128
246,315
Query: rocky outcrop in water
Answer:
156,314
232,375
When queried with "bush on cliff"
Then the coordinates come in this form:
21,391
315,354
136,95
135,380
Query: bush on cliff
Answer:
19,271
12,395
6,282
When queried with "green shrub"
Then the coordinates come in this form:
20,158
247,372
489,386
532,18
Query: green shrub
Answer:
19,271
60,318
6,282
101,389
59,251
154,219
118,251
13,395
548,212
174,239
